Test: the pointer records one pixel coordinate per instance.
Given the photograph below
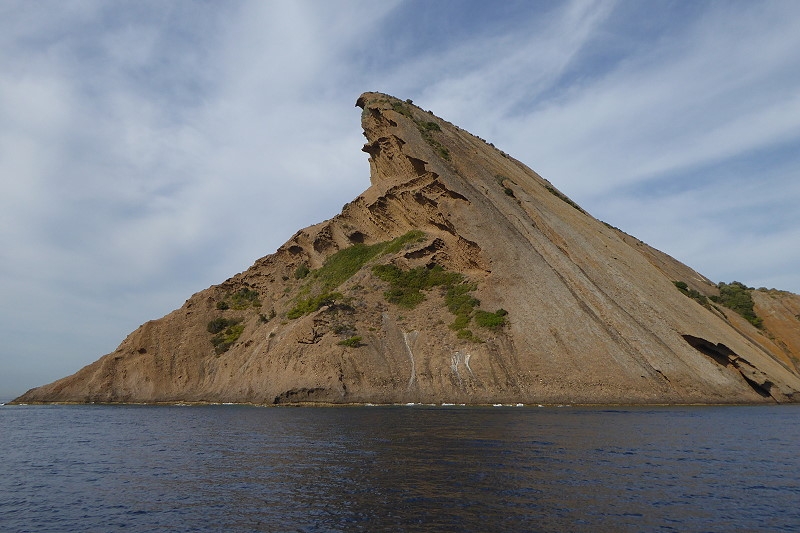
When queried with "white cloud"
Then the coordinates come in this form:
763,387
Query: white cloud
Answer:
477,83
676,106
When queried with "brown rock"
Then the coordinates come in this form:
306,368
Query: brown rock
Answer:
593,315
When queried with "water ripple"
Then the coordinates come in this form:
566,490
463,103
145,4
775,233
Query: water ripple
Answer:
229,468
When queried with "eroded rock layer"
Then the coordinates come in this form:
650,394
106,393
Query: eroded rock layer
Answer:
458,276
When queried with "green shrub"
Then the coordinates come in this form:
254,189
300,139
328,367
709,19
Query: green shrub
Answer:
489,320
426,128
310,305
462,304
408,298
737,297
401,108
244,298
417,278
459,301
241,299
461,322
692,293
351,342
468,336
395,245
405,285
220,324
342,265
301,272
227,331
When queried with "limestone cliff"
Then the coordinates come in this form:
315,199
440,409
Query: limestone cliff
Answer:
459,275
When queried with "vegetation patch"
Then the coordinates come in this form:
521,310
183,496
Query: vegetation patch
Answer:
460,323
489,320
400,107
429,126
467,335
242,299
342,265
301,272
406,286
459,300
426,128
351,342
227,331
737,297
309,305
692,293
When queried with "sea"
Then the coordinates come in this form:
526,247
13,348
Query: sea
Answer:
235,468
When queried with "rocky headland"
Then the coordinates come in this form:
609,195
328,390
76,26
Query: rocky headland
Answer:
459,276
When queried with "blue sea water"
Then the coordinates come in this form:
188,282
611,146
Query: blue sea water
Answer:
235,468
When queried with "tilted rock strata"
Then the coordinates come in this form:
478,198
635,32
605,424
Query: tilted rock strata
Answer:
593,314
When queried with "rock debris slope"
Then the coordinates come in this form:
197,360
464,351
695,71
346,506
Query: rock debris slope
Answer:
461,276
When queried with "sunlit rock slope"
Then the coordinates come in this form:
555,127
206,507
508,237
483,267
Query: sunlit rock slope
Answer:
458,276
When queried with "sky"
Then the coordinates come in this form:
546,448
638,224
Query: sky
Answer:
150,149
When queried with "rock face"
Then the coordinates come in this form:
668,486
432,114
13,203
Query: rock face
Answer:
461,276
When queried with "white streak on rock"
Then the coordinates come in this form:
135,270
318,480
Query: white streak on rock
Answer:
410,338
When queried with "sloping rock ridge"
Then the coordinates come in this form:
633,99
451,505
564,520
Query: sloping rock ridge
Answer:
458,276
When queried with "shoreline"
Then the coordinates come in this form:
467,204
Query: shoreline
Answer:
384,405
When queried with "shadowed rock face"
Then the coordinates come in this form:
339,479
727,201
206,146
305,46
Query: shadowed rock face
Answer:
590,314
